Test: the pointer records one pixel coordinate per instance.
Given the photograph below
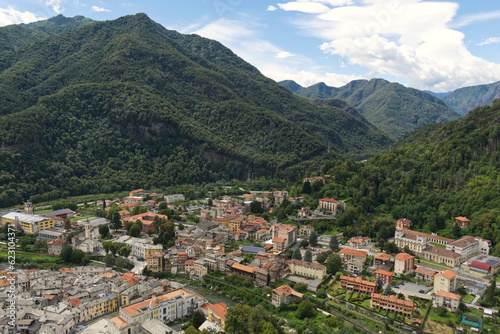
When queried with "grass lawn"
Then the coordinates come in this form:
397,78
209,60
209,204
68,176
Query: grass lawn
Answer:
98,263
468,298
438,245
89,217
44,261
332,231
438,265
450,319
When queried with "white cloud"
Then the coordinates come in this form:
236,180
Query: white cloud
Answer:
55,5
473,18
305,7
241,37
10,15
284,54
491,40
410,40
271,8
99,9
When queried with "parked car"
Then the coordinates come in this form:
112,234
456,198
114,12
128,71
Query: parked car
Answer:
421,291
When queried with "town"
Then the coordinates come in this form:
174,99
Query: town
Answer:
142,264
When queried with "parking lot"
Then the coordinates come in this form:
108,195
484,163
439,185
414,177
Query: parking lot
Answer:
413,289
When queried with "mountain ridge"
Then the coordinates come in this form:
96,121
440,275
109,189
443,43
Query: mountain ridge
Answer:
391,107
148,103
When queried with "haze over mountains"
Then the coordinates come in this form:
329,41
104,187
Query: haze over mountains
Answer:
103,106
463,100
396,109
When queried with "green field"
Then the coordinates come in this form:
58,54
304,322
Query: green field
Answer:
438,245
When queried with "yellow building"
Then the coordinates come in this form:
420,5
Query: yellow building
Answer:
103,305
217,314
309,269
446,281
28,223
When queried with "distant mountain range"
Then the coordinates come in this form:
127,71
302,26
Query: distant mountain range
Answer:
463,100
93,107
391,107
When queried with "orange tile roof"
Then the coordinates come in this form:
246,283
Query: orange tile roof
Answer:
427,235
383,272
448,295
118,321
276,239
448,274
66,270
330,200
134,308
220,309
242,267
109,275
404,257
383,256
287,291
462,219
353,252
75,302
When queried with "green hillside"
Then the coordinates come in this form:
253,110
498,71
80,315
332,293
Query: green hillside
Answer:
391,107
119,104
437,173
466,99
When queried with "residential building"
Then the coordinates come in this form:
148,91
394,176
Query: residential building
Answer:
309,269
166,307
417,241
285,295
136,192
243,270
466,246
354,266
447,299
404,263
392,304
97,308
170,199
329,204
142,248
357,284
217,314
306,230
384,275
288,232
463,222
156,262
403,223
147,219
30,224
446,281
348,254
359,241
382,259
55,247
441,255
262,276
314,179
304,212
279,244
485,246
424,274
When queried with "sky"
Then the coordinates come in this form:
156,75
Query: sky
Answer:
430,45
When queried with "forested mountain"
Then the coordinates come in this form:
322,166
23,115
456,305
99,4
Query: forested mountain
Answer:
396,109
437,173
466,99
119,104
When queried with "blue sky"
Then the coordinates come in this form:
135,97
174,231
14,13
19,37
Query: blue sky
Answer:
434,45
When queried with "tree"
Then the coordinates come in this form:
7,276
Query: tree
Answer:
116,220
135,231
323,256
66,253
308,256
388,290
23,244
138,210
124,251
180,227
289,254
77,256
191,330
334,242
306,187
304,243
109,260
305,310
380,284
198,319
490,297
313,238
256,207
300,287
237,319
104,231
333,264
67,224
5,229
119,263
296,254
441,311
104,204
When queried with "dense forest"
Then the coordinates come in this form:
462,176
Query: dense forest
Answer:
97,107
466,99
392,107
432,176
